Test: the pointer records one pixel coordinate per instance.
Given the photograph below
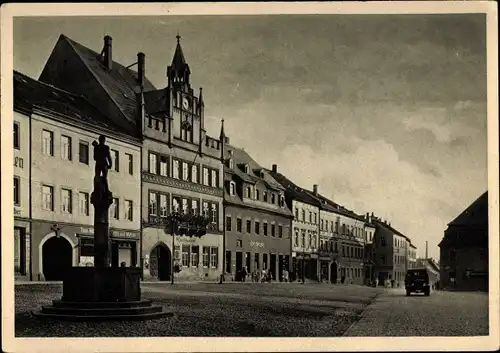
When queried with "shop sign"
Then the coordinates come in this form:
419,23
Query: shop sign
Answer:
257,244
186,240
124,234
18,162
87,230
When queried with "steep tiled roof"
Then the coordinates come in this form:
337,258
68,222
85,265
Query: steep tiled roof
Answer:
156,101
36,94
241,157
119,82
294,190
379,223
475,214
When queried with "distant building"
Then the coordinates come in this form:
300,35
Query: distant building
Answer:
369,261
412,256
391,253
464,249
53,182
258,221
432,268
305,228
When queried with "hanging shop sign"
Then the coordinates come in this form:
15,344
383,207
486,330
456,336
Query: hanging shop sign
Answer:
18,162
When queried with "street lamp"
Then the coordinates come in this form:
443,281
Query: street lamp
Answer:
191,225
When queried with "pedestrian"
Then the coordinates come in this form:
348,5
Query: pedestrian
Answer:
244,274
392,283
342,279
376,282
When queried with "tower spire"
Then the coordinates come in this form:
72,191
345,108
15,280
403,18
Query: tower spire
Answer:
222,136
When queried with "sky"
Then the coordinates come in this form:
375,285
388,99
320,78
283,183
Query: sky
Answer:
386,113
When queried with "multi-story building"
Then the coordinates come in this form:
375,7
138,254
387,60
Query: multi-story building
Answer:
432,269
305,228
22,197
181,165
464,249
343,231
369,249
257,219
62,127
390,253
412,256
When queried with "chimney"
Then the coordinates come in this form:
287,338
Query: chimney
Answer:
315,189
275,168
108,52
141,69
426,250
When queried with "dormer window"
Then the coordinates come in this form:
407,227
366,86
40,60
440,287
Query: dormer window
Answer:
273,198
230,163
264,195
232,188
261,174
282,201
249,192
247,169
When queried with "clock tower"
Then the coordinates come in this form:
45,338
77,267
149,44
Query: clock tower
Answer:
186,110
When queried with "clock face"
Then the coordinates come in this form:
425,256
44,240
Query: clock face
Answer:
185,103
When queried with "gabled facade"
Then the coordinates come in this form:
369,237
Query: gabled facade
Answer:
181,167
56,129
305,228
464,249
258,221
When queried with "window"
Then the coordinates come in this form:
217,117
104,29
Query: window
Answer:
248,192
84,203
214,179
206,256
19,251
257,194
194,207
163,205
310,241
382,259
152,163
296,214
228,223
265,228
48,142
238,225
303,236
153,203
280,231
214,258
343,250
273,198
66,201
115,209
382,241
296,239
315,218
185,171
194,173
17,191
184,206
128,210
264,196
116,160
83,149
232,188
257,227
66,148
273,230
205,209
214,213
163,165
322,224
206,177
177,253
195,256
185,255
175,168
249,226
17,137
130,160
453,255
48,197
310,217
303,215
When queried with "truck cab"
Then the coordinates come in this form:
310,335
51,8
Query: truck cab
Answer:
417,281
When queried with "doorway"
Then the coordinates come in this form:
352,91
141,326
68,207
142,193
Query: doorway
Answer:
239,260
281,266
333,272
228,261
160,262
272,265
57,254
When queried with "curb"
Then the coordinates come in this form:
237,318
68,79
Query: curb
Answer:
374,299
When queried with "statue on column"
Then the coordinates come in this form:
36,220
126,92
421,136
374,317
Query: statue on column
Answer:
103,162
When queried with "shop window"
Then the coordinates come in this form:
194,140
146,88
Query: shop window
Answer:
214,257
83,149
228,223
185,255
206,256
195,256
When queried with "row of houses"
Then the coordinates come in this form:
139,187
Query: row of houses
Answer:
164,161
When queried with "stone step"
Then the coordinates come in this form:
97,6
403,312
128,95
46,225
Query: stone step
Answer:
127,304
131,317
101,310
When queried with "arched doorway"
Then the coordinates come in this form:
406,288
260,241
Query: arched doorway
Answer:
160,262
57,254
333,272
